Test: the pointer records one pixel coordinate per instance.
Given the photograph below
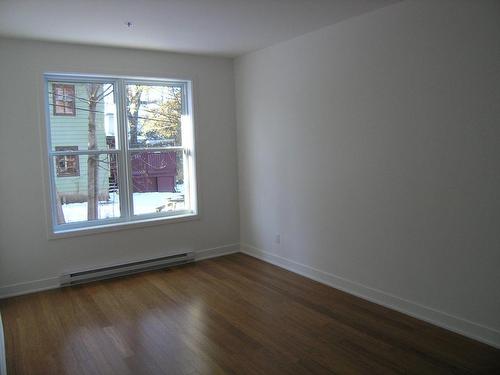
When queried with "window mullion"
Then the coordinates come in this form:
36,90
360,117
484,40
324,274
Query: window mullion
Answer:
157,149
84,152
124,175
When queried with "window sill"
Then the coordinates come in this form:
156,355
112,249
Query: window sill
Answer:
105,228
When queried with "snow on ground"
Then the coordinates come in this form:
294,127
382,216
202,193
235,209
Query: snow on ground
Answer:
144,203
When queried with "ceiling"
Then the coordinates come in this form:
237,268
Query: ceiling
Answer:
215,27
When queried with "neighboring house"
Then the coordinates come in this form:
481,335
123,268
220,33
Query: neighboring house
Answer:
154,171
69,120
69,117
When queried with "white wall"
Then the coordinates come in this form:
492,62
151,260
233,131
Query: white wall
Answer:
373,147
26,255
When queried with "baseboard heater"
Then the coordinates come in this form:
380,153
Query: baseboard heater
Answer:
85,276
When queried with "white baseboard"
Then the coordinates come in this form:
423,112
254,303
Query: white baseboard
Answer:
217,251
464,327
53,282
27,287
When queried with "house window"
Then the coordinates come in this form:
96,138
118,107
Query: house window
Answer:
132,157
63,101
67,165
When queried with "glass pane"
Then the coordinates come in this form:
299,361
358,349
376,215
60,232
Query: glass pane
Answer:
158,182
78,177
82,114
154,115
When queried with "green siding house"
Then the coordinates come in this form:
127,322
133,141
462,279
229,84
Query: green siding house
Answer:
69,119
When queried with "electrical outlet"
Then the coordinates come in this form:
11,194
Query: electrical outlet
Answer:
277,239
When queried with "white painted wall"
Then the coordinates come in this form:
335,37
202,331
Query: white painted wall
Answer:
26,254
373,147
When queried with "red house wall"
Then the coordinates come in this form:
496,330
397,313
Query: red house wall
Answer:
154,172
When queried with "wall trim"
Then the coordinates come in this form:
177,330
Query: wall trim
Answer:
27,287
441,319
217,251
33,286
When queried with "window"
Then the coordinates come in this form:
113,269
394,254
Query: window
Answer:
131,157
67,165
63,100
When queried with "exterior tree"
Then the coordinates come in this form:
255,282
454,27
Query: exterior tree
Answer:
134,93
59,212
164,120
93,90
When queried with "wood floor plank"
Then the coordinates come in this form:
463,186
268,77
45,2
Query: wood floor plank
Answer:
228,315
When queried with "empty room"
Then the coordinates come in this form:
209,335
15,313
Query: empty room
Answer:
249,187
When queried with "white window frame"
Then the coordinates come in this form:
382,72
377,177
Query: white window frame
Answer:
123,152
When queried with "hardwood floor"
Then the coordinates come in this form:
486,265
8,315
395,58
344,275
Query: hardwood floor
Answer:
233,314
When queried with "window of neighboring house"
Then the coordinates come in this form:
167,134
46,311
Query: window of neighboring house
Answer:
67,165
133,156
63,100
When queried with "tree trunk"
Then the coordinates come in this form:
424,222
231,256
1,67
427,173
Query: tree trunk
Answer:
133,105
93,160
59,210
